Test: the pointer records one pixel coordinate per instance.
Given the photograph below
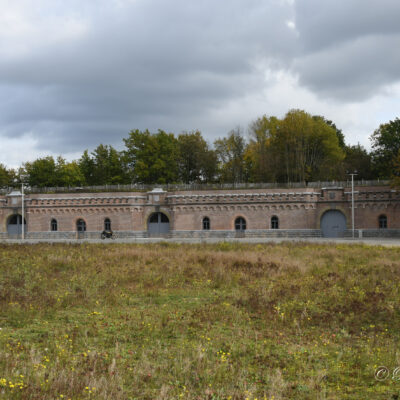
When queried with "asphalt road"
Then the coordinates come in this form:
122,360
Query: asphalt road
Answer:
365,241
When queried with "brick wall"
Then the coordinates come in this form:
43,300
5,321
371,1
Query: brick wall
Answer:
299,211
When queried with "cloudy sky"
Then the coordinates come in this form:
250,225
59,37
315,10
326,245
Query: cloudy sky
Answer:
74,74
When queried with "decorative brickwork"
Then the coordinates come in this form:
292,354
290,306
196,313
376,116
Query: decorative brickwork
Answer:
299,212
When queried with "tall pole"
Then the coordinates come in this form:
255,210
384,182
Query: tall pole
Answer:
352,202
23,211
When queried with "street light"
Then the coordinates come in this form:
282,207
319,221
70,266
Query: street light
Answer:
352,200
22,177
23,210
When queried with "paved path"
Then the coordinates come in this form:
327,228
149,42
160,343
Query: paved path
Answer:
366,241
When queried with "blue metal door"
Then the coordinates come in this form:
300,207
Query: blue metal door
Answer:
333,224
14,225
158,224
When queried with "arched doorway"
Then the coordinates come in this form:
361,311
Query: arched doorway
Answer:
14,225
158,224
81,228
333,224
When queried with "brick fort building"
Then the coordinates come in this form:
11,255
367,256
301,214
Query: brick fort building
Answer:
267,211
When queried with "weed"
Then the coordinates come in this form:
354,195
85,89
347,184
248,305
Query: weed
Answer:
224,321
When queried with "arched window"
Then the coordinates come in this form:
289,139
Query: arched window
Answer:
240,224
274,222
53,225
382,221
206,224
107,225
81,225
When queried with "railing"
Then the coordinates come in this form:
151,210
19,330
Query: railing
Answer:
137,187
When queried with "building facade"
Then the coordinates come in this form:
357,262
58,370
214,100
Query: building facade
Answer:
307,212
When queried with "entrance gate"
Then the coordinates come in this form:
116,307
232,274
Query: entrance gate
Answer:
14,225
333,224
158,224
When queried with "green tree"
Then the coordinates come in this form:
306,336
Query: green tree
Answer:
109,167
307,148
6,176
152,158
87,167
47,172
339,133
68,173
41,172
210,166
259,156
395,178
231,152
358,159
104,166
196,161
385,148
299,147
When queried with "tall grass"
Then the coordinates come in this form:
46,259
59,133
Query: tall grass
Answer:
225,321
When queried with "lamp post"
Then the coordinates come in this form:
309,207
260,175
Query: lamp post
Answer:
22,177
352,200
23,210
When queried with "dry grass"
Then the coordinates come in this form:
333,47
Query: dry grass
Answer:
226,321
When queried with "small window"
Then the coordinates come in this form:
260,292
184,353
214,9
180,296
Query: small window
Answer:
206,224
81,225
382,222
274,222
53,225
240,224
107,224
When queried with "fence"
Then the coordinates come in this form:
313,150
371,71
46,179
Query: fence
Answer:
199,186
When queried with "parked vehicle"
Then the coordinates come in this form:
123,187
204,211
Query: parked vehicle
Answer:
107,234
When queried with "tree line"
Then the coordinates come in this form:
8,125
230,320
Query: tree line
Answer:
296,148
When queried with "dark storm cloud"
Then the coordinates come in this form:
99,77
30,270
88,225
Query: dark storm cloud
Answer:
349,50
83,74
327,23
353,71
140,65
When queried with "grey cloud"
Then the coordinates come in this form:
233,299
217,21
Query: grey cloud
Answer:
357,70
145,63
348,51
322,24
170,64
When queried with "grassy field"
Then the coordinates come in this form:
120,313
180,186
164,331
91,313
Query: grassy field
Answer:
225,321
